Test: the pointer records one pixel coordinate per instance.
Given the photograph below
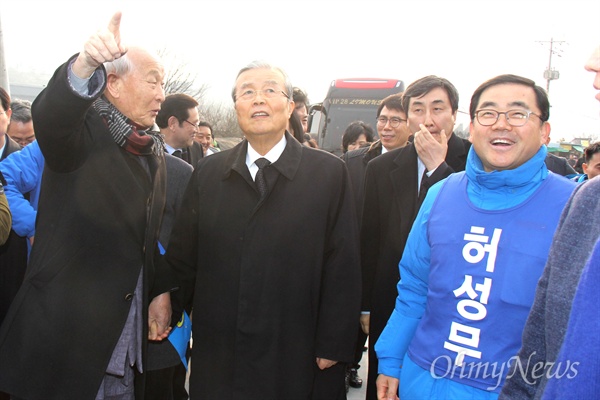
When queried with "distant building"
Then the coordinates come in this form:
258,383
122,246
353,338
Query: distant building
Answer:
24,92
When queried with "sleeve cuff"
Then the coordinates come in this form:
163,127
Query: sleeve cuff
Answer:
390,367
89,87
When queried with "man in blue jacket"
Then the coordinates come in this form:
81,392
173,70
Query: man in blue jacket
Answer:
475,253
23,172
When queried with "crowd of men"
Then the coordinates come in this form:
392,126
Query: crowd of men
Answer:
463,261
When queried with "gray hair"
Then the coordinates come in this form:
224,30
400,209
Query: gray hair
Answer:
124,65
289,89
21,111
120,67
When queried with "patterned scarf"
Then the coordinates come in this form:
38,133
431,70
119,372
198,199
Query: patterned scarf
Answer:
125,133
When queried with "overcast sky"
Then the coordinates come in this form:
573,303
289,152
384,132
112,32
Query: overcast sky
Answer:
316,42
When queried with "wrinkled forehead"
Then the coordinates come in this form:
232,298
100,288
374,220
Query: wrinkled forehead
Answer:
146,64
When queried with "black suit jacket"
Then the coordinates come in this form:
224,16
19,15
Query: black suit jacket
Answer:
559,165
390,206
195,154
356,162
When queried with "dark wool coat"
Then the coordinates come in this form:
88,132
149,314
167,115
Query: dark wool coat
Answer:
276,284
13,253
98,221
356,162
390,207
195,154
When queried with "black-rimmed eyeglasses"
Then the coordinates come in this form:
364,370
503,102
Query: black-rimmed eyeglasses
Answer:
192,124
394,121
513,117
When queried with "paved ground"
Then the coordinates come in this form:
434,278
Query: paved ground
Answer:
359,394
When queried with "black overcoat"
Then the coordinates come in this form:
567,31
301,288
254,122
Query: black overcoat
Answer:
98,220
391,204
276,283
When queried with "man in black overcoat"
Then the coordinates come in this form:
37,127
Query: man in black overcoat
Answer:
267,245
395,185
393,133
92,294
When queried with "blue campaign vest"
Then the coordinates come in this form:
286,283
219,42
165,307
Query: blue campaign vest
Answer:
484,269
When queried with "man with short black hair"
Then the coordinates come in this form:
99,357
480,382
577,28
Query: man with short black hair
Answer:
205,137
591,166
178,121
475,254
395,185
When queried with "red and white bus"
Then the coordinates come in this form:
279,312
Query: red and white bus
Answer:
348,100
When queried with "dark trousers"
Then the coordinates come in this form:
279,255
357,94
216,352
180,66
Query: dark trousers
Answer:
358,351
166,384
13,262
329,383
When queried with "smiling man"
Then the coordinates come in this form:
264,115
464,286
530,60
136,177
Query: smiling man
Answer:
475,253
179,123
275,285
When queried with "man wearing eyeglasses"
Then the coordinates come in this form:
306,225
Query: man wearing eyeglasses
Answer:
178,120
273,267
20,128
395,185
393,133
475,254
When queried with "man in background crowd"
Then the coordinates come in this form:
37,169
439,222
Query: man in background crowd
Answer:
20,128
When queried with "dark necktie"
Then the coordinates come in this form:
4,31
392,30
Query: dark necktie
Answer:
422,187
176,153
261,182
185,155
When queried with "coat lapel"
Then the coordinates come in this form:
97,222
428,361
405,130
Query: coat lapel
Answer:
404,179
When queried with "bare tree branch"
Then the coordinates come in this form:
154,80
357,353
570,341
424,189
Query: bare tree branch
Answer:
179,79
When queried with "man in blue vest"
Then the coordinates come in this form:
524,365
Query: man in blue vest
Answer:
475,253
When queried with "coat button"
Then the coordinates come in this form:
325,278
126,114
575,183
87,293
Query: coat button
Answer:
129,296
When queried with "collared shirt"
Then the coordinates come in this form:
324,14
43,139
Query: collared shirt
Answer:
273,155
4,146
421,168
170,149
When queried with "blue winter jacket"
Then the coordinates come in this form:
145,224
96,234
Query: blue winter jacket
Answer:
23,172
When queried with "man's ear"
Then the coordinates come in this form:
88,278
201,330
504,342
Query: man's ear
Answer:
471,129
545,132
173,122
113,85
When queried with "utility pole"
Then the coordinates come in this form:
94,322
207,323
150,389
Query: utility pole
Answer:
550,73
3,68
